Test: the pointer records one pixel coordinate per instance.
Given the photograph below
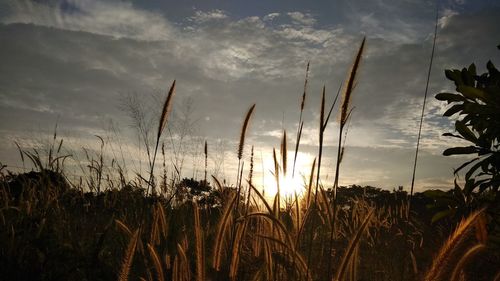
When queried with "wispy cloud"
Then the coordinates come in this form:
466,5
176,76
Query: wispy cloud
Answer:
113,18
202,17
301,18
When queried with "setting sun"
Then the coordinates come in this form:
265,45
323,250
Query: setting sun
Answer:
290,184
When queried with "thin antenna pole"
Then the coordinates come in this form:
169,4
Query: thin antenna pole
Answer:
422,114
419,136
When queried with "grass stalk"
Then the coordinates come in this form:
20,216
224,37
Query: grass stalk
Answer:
449,251
419,135
346,258
344,116
277,199
156,262
206,160
167,107
465,259
221,234
431,59
301,123
241,147
199,243
128,257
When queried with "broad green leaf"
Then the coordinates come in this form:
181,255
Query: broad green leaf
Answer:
485,164
465,132
467,77
471,171
453,75
449,97
475,108
452,135
460,150
464,165
454,109
471,92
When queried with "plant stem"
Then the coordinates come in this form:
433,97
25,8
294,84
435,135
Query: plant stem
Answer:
418,139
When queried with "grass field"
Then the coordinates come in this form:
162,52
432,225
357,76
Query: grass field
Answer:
107,227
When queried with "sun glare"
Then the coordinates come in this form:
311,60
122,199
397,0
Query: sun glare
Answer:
290,184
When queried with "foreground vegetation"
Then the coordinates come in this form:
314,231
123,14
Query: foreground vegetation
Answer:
51,231
154,228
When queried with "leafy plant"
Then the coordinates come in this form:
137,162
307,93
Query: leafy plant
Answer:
477,103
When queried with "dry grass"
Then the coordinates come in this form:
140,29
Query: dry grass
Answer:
447,256
128,257
243,132
348,256
457,273
167,107
222,230
313,237
156,262
200,247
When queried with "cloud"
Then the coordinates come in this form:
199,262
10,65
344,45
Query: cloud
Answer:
271,16
113,18
301,18
447,14
202,17
77,61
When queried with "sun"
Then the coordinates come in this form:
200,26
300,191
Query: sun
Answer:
291,183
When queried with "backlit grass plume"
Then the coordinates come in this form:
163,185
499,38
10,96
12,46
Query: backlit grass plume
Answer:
345,111
241,147
167,107
349,86
284,154
301,123
156,262
129,257
199,242
244,131
449,252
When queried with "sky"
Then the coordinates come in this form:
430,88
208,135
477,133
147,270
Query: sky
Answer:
80,64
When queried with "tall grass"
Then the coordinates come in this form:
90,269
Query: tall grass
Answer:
167,107
345,113
239,235
419,135
450,252
199,242
301,123
128,257
241,147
